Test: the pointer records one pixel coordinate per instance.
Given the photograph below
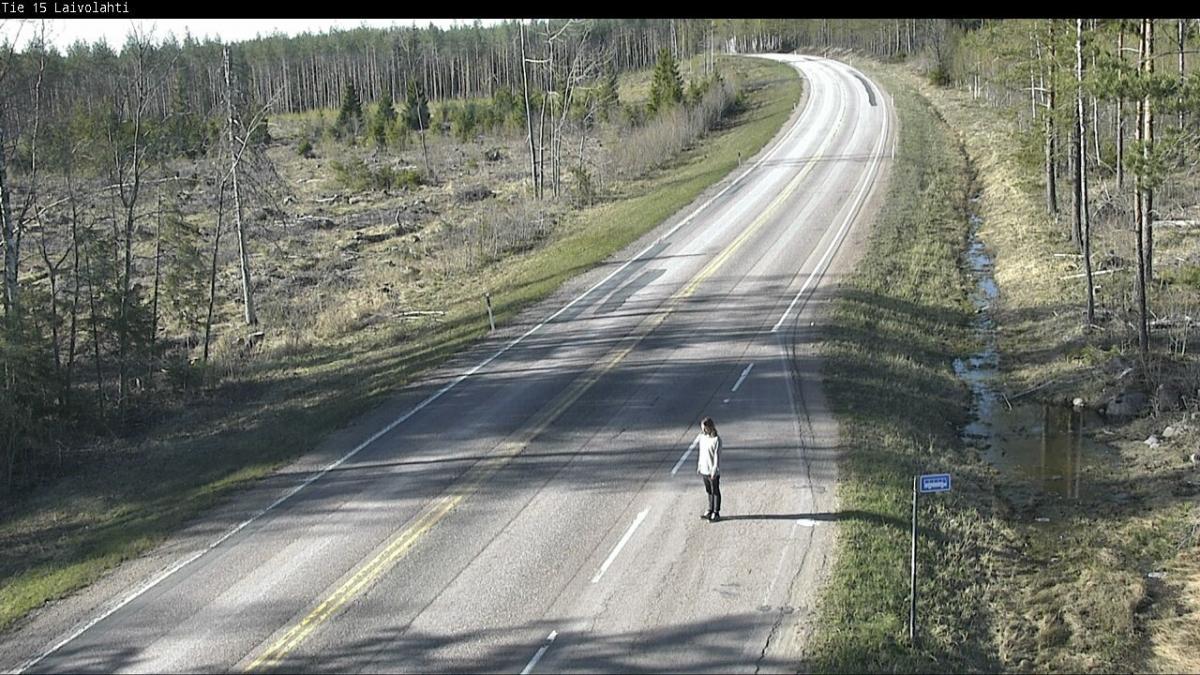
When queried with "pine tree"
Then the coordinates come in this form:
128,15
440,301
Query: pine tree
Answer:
666,89
384,118
185,284
607,98
416,109
350,117
186,128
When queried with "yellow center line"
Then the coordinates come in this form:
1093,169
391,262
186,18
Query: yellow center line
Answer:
435,512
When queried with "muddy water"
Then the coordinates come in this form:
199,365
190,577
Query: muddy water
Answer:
1048,447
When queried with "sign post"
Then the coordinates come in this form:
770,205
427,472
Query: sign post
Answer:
933,482
912,569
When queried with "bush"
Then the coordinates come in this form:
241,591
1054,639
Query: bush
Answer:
408,178
477,242
305,149
475,193
463,120
354,174
583,189
665,136
940,76
442,116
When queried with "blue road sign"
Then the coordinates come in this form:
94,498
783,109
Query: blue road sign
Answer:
935,482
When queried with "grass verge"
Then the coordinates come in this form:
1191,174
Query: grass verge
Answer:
1013,578
1103,584
899,321
68,535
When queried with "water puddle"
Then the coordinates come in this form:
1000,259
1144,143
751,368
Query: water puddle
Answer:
1047,447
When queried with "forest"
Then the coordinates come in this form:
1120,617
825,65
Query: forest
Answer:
145,190
217,254
141,186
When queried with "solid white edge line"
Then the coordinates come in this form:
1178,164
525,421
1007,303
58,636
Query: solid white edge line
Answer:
621,544
538,656
400,420
743,377
779,566
684,457
852,213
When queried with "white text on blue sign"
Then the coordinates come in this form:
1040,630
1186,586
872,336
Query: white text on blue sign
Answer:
935,482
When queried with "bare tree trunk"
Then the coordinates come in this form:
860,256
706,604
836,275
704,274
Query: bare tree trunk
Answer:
12,250
1095,110
1141,210
582,141
94,317
425,148
541,144
533,172
1051,171
212,270
574,73
139,94
1076,170
1182,41
1121,110
130,204
247,290
1081,207
52,277
1147,149
550,87
157,268
71,341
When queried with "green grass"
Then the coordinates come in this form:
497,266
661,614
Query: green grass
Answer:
901,319
70,533
1078,598
1000,591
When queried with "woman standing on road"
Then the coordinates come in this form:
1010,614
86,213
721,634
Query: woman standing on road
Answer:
710,449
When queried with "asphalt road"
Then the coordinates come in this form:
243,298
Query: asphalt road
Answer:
530,507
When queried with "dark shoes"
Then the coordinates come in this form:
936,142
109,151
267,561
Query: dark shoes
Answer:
707,515
714,517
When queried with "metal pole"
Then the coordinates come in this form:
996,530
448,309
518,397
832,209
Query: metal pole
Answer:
491,320
912,606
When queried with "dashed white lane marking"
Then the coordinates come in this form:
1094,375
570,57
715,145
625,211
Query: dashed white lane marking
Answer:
743,377
621,544
83,628
684,457
538,656
868,182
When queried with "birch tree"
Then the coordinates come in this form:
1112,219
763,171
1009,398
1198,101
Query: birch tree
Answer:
235,154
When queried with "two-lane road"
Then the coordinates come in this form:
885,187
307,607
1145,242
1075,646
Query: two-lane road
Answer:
539,509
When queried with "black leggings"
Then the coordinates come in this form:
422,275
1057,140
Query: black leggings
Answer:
713,487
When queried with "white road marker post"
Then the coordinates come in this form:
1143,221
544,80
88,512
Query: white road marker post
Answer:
487,297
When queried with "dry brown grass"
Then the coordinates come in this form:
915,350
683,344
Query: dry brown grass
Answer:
1174,636
1079,598
336,343
1023,239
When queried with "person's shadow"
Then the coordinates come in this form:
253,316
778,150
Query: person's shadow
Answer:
825,517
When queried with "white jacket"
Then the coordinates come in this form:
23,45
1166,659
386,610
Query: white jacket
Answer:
710,449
